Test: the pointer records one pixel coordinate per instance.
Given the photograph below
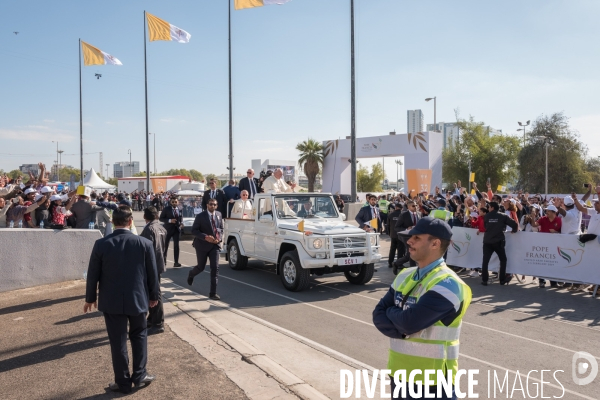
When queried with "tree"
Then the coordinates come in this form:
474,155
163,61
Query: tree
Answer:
592,166
65,174
369,182
311,160
567,167
492,156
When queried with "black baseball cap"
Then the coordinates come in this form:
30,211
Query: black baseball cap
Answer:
432,226
441,202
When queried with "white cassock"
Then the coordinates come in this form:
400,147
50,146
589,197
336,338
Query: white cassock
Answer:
242,209
277,185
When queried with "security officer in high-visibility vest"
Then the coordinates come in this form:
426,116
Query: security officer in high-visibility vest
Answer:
423,310
383,209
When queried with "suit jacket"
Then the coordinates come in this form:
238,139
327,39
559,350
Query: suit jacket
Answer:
365,215
405,221
157,234
220,196
245,185
231,193
203,227
84,213
391,221
123,268
303,213
167,214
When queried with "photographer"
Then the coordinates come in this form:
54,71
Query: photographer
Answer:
263,176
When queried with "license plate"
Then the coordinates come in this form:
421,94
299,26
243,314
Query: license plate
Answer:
350,261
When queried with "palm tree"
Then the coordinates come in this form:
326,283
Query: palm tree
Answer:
311,160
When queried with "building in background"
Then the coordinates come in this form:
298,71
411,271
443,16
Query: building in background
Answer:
289,167
491,131
125,169
450,130
27,168
414,121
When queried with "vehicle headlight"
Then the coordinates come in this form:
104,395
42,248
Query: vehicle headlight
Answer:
317,243
373,239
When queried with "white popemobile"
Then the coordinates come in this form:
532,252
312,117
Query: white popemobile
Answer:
303,234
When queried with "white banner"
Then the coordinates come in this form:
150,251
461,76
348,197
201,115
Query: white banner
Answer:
547,255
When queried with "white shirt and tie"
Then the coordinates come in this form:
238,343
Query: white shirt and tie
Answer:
252,188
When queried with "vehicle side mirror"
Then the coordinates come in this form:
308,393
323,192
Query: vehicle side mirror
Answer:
343,216
266,218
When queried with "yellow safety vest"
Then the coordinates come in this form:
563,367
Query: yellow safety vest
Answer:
441,214
435,347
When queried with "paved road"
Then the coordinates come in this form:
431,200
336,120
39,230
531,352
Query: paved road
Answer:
515,328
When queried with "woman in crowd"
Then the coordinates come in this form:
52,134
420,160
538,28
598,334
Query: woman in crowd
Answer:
58,212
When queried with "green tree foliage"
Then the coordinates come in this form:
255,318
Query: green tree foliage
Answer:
568,168
369,181
311,160
492,156
65,174
15,173
592,166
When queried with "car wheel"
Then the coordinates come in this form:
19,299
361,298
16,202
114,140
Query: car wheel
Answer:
363,276
236,260
293,276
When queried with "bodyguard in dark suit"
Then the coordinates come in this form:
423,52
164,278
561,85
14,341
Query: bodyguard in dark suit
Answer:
123,270
172,217
396,246
232,193
155,232
207,229
367,213
214,193
249,183
407,220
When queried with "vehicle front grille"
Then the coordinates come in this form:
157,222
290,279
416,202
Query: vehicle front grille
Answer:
349,254
349,242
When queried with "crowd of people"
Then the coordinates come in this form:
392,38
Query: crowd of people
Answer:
491,214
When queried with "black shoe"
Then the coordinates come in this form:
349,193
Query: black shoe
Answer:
214,296
542,285
190,279
145,381
484,283
116,388
156,330
176,265
390,265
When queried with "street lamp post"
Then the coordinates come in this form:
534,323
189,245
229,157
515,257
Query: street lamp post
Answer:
547,142
129,151
398,164
107,165
435,129
56,154
150,133
59,163
523,129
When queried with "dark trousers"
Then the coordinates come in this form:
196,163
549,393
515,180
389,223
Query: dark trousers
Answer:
156,314
213,257
432,390
488,250
396,247
406,255
173,233
116,326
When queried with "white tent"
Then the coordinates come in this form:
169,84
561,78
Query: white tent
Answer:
95,182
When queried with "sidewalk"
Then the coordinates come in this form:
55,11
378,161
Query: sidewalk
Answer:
49,349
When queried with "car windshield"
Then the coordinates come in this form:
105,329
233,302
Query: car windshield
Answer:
190,205
297,206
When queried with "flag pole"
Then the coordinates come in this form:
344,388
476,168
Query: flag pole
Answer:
230,106
80,121
146,99
352,108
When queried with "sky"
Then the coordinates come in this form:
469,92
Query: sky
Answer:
501,62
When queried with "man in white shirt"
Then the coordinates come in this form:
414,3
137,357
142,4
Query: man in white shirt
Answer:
593,229
276,183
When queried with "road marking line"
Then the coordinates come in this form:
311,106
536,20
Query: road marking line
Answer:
366,366
305,340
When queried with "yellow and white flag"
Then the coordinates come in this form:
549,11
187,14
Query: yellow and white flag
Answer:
300,226
94,56
241,4
372,223
160,29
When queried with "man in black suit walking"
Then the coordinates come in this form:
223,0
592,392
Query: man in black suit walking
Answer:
214,193
172,217
368,213
123,269
249,183
406,220
207,229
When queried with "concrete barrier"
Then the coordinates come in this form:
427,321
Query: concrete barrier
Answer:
351,209
32,257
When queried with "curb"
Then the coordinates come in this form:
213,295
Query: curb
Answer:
248,353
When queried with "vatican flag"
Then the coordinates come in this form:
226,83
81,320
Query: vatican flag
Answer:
300,226
372,223
241,4
160,29
94,56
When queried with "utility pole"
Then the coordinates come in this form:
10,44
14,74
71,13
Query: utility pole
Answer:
469,180
107,165
352,109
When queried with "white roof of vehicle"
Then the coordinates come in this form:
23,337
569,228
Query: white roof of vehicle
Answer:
189,193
